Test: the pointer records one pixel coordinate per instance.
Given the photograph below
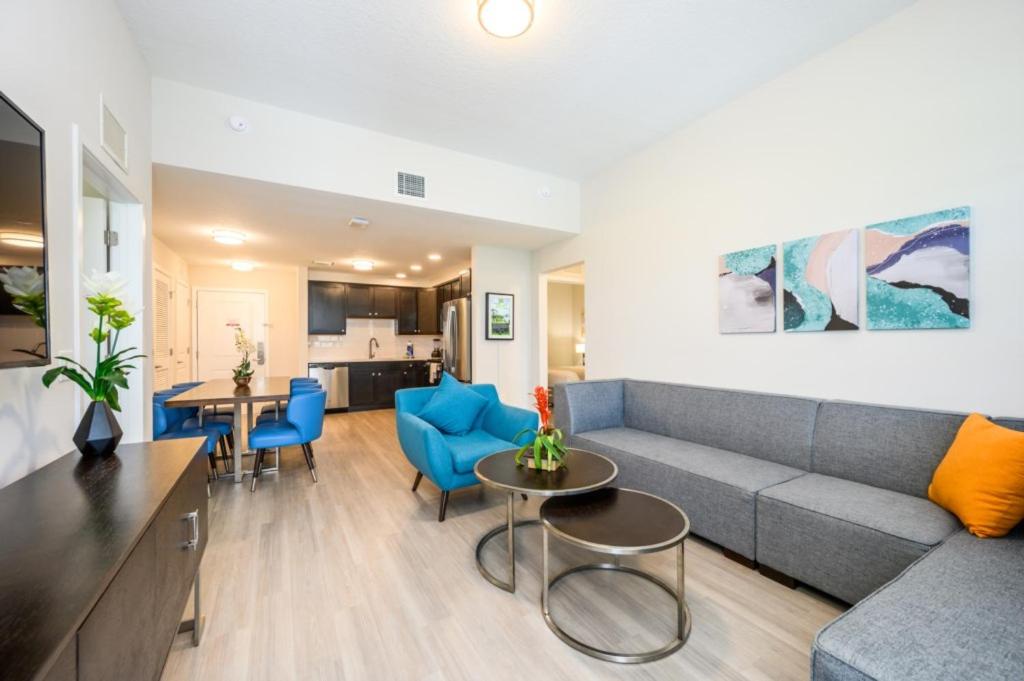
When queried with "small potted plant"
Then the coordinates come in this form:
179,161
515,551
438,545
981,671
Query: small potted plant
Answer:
99,433
244,371
547,451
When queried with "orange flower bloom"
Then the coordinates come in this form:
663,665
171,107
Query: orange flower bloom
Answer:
540,396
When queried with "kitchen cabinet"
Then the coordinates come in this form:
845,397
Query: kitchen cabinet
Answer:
428,318
327,308
373,302
372,385
408,312
466,284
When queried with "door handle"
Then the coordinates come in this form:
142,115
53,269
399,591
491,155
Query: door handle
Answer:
193,520
260,357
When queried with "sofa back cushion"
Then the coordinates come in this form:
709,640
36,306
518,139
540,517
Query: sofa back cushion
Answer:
588,405
771,427
892,448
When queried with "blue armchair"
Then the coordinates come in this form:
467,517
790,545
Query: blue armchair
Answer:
448,460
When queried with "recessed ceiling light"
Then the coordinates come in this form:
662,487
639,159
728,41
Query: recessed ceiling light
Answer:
243,266
324,263
505,18
434,256
415,268
21,239
400,275
358,223
228,237
362,265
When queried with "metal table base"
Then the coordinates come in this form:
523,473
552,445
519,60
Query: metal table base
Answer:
683,619
510,529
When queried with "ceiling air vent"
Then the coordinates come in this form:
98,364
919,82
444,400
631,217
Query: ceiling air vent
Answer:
412,185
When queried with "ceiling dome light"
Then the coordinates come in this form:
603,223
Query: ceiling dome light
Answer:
505,18
415,268
400,275
434,256
228,237
243,266
363,265
21,239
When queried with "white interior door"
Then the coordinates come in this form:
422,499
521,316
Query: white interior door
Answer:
218,314
182,333
163,375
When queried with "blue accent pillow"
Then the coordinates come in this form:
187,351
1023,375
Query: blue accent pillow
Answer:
453,407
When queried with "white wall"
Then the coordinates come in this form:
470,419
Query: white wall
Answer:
507,364
190,130
924,111
56,59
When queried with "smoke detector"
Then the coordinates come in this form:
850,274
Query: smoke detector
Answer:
239,123
358,223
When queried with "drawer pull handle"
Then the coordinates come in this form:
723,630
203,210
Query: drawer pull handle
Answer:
193,520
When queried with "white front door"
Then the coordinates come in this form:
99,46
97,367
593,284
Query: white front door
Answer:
218,314
182,333
162,329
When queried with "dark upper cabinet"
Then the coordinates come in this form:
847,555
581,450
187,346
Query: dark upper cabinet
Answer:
360,300
466,283
327,308
428,320
408,312
385,301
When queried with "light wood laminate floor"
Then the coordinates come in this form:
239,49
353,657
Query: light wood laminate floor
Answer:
354,578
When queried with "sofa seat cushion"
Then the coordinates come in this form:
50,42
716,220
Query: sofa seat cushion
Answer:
715,487
843,537
469,448
954,614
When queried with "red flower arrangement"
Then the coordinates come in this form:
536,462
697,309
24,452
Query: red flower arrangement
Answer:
548,450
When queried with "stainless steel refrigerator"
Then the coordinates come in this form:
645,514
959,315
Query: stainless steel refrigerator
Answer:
456,351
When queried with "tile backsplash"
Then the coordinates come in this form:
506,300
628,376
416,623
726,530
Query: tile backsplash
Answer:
355,344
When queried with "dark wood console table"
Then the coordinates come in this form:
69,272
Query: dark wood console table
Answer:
97,559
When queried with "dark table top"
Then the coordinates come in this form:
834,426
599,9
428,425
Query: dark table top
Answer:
583,471
224,391
65,531
619,521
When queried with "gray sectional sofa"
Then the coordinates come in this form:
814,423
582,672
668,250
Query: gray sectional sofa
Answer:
834,495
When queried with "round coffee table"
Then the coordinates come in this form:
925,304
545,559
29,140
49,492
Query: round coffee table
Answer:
618,522
583,471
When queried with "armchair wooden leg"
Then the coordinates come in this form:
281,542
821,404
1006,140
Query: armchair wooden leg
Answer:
416,482
444,506
257,466
224,456
212,456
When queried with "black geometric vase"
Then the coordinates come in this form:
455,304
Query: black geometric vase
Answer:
98,433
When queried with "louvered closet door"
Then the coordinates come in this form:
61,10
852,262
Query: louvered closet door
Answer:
162,367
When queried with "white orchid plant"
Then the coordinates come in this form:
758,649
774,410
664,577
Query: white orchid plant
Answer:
27,289
104,292
245,347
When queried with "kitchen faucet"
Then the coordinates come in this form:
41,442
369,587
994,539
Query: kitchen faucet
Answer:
373,341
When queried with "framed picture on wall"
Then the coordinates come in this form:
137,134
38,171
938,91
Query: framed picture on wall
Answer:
501,316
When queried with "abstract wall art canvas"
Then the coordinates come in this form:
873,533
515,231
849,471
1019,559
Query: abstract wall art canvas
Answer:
918,271
820,275
746,291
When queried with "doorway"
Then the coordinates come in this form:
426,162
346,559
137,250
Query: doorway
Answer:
563,326
219,315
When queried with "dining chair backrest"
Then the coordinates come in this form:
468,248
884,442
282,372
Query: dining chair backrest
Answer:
166,418
299,388
305,413
304,379
186,386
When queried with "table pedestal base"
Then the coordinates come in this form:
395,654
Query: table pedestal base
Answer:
510,529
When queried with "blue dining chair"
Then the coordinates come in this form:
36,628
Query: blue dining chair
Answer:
223,423
273,413
169,424
303,423
299,380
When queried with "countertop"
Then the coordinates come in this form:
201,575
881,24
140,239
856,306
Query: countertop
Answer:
65,530
375,359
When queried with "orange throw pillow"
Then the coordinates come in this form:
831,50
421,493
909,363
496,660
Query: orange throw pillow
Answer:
981,478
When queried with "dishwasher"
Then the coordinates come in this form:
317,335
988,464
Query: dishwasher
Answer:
334,379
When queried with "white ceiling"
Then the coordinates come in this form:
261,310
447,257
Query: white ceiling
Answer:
295,226
589,83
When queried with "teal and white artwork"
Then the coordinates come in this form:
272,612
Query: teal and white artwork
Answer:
820,275
746,291
918,271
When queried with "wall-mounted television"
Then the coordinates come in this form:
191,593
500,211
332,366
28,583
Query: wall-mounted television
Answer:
24,318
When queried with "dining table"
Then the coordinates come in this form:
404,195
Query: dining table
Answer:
223,392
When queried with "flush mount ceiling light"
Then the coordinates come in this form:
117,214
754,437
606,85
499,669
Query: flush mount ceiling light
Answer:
400,275
434,256
324,263
505,18
21,240
243,266
228,237
415,268
362,265
358,223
